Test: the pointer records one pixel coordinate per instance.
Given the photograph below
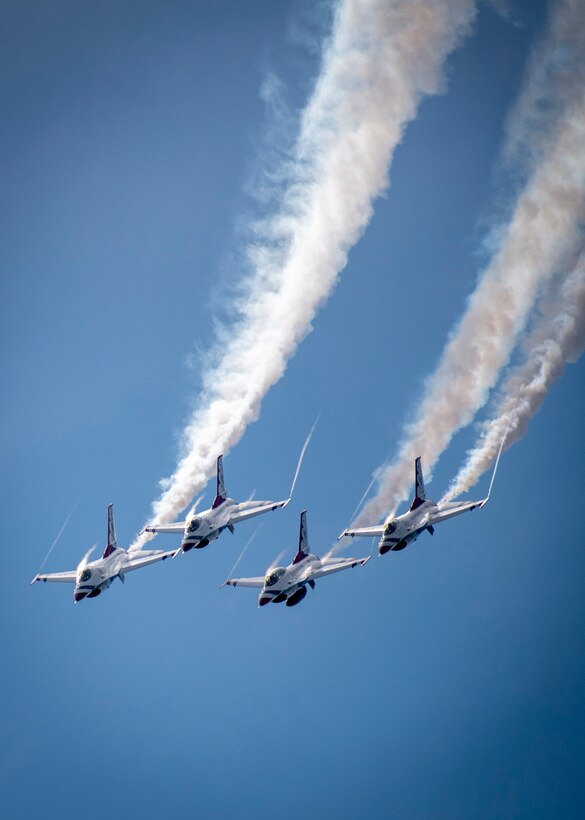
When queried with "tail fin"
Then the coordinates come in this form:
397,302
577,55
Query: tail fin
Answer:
112,540
221,493
419,486
303,539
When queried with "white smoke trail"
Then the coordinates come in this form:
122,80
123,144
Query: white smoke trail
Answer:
382,57
558,338
544,232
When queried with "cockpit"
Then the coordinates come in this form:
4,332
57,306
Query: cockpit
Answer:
273,576
85,575
194,525
390,528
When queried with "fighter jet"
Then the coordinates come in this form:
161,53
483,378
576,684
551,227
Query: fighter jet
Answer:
289,584
199,529
397,532
92,577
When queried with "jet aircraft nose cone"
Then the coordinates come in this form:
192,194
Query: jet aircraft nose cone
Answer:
79,596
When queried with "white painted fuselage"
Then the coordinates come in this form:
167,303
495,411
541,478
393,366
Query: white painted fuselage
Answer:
94,577
401,530
288,584
202,529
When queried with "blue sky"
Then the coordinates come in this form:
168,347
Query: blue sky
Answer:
443,681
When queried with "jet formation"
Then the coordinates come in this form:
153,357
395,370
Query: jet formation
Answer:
279,584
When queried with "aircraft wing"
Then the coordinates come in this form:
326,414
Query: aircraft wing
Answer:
337,566
371,532
179,527
258,583
452,508
142,558
62,577
251,508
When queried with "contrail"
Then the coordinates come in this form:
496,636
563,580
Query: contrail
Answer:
557,338
545,231
366,492
382,57
247,544
301,457
58,536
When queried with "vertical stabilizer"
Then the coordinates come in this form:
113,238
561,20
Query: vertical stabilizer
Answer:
419,486
112,540
303,539
221,494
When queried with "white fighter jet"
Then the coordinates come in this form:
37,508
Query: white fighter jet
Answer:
92,577
199,529
289,584
396,532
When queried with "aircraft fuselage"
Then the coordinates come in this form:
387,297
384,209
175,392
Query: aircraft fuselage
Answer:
402,530
97,575
201,529
290,587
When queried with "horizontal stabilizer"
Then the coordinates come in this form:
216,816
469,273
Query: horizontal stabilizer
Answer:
60,577
179,527
257,583
365,532
249,509
337,565
453,508
140,559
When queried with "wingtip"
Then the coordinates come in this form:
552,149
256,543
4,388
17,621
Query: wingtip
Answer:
36,578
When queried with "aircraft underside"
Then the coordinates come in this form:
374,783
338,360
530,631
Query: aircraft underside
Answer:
189,545
199,543
297,596
396,544
288,598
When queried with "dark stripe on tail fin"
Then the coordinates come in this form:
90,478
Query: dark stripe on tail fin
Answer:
303,539
112,540
221,493
419,486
